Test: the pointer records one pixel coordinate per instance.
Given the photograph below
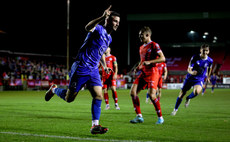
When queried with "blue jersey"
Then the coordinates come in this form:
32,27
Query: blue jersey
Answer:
91,51
199,65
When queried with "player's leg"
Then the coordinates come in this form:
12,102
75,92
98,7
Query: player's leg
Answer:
159,86
186,86
159,93
156,103
178,101
136,103
213,85
196,91
64,94
147,97
114,93
204,88
68,95
106,96
96,92
95,88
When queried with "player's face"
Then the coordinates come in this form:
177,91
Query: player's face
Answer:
107,52
115,22
143,36
204,51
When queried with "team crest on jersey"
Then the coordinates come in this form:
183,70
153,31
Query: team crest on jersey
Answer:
206,65
110,59
149,50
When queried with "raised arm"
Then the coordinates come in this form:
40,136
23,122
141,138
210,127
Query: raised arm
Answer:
90,26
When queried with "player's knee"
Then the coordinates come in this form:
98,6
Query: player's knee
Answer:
70,96
98,97
196,92
132,93
152,96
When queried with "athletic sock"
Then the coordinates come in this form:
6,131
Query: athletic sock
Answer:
157,106
115,96
96,111
147,95
203,90
136,104
60,92
192,95
106,97
178,102
95,122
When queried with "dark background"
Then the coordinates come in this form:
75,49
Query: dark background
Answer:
40,26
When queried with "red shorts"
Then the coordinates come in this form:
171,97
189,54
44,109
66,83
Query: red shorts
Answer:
149,80
108,82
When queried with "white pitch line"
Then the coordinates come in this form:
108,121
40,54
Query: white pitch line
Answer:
68,137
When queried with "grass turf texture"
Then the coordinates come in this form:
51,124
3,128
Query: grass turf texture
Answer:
206,119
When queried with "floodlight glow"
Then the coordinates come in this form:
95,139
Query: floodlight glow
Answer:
192,32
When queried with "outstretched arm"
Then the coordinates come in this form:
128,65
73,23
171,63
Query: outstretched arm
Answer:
90,26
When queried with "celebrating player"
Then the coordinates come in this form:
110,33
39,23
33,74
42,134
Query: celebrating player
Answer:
85,69
162,71
109,79
198,67
150,54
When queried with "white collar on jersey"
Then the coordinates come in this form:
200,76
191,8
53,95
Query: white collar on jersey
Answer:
147,43
205,58
108,55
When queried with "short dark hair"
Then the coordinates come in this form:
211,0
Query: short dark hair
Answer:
146,29
113,13
204,46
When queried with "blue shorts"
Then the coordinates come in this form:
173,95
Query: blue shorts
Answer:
77,81
213,82
189,83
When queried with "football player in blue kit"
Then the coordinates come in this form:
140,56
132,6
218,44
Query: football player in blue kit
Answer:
84,70
199,66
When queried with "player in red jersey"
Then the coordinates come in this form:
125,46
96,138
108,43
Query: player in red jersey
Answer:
109,80
150,54
163,72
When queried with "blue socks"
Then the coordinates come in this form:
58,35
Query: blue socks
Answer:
60,92
178,102
192,95
96,109
147,95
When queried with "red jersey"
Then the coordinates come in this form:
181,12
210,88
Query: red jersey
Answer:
149,52
110,60
161,67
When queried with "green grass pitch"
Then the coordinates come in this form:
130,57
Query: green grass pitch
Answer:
26,117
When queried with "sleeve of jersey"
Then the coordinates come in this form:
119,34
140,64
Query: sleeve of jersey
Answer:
96,28
191,63
157,46
211,63
114,60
